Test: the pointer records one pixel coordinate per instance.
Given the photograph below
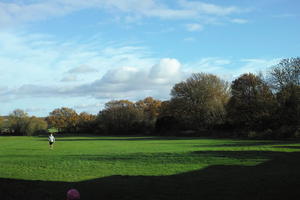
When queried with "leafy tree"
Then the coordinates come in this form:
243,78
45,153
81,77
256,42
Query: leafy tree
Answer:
150,106
252,103
20,123
285,79
86,122
64,119
289,106
200,100
18,120
34,126
2,122
120,116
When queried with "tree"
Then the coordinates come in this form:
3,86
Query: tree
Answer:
2,122
252,103
64,119
287,72
150,106
166,120
200,100
285,80
288,99
20,123
35,125
86,122
120,116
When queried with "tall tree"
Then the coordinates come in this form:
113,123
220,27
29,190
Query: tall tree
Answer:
18,120
252,102
285,79
86,122
64,119
1,120
150,107
35,125
289,106
287,72
20,123
200,100
120,116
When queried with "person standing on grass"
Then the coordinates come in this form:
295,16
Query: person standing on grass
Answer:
51,140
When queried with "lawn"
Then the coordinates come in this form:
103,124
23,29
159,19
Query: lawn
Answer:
149,168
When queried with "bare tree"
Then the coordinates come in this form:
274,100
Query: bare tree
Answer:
285,73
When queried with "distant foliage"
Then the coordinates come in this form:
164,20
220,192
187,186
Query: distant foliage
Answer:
285,79
120,117
150,108
64,119
200,100
285,73
67,120
19,123
251,105
86,123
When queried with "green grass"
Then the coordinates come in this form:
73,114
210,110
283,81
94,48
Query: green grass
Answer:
164,164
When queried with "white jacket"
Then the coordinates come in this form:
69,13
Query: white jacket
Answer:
51,138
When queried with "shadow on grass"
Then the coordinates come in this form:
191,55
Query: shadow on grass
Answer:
288,147
242,143
278,178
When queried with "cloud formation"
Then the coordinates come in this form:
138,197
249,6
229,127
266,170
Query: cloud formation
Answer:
122,82
208,8
18,12
194,27
134,82
82,69
239,21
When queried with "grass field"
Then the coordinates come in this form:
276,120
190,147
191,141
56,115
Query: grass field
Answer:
149,168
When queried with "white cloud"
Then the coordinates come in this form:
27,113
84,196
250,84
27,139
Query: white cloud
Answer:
230,69
40,69
18,12
209,64
82,69
123,82
120,75
210,9
133,82
194,27
239,21
69,78
166,71
29,59
255,65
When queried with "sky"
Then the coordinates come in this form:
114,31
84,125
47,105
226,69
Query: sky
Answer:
83,53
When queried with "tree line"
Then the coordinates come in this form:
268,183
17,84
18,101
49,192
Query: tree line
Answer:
253,105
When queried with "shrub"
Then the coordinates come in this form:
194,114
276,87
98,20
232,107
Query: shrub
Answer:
267,134
252,134
297,133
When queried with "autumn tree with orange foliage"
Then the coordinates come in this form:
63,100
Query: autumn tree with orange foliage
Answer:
64,119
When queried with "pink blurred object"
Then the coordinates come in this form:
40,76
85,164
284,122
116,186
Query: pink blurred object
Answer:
73,194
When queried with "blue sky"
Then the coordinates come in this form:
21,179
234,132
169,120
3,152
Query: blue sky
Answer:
81,54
